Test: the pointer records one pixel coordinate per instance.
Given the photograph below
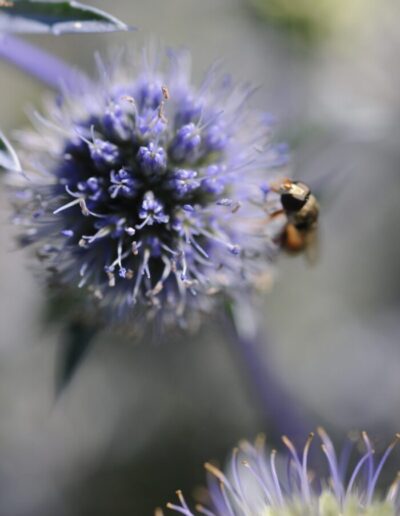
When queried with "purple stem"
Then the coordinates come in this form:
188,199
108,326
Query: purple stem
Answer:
45,67
278,405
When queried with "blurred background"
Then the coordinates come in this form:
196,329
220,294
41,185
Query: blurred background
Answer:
139,419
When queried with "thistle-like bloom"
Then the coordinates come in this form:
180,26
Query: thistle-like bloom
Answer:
261,484
150,188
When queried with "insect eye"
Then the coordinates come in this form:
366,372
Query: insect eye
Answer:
291,203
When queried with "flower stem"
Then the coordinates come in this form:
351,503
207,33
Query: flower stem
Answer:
279,407
42,65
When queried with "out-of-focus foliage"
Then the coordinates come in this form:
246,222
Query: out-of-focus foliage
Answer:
57,17
309,19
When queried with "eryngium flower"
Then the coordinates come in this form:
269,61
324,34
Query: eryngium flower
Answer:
260,485
150,187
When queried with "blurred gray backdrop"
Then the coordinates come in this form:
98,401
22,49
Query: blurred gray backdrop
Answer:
138,420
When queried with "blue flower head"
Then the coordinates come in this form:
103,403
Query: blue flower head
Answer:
150,190
261,484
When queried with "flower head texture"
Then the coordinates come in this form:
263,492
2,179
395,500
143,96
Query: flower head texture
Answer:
261,484
148,190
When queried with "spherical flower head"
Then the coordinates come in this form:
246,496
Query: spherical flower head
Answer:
261,484
148,192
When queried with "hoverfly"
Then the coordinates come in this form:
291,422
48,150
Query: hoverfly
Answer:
301,210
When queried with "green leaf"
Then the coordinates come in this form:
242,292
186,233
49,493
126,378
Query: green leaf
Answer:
55,16
76,339
8,157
